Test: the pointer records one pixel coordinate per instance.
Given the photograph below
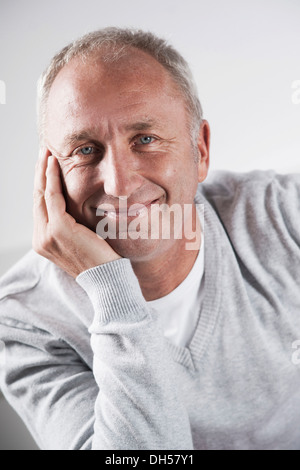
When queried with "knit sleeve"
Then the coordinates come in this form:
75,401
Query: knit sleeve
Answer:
128,400
46,382
138,405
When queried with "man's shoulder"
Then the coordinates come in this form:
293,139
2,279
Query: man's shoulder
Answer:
224,189
36,291
260,213
21,291
23,276
222,182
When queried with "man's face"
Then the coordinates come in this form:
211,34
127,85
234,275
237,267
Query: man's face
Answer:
122,130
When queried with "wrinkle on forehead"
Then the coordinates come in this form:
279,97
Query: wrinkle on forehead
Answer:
93,92
136,67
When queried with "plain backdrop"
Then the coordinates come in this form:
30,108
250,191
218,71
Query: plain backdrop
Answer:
244,55
245,59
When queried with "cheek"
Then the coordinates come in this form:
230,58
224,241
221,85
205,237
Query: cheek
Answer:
165,167
171,178
79,184
180,176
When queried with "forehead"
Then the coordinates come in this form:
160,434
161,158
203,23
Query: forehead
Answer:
92,92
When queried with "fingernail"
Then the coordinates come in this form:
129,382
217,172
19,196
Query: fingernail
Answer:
50,159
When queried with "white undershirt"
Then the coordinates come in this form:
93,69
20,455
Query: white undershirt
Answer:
179,310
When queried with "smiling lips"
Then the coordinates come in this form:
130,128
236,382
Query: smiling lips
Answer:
134,210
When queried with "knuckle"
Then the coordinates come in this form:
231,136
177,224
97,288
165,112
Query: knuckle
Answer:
38,196
49,195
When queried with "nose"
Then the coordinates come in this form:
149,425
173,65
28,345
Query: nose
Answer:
119,172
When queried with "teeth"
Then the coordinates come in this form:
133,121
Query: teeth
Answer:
109,214
131,212
138,212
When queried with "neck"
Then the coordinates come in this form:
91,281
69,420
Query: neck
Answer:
162,274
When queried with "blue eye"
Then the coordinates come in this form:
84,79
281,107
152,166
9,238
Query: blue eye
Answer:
146,139
87,150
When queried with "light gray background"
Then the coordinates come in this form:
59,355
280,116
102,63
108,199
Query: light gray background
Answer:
245,58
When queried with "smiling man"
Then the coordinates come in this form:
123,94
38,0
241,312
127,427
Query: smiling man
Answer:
119,342
125,144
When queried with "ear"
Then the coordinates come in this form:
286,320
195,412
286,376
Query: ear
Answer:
203,148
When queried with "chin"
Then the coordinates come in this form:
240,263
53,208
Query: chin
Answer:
136,250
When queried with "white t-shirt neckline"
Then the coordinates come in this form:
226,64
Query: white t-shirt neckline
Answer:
178,311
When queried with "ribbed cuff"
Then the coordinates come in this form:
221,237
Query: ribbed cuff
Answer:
114,291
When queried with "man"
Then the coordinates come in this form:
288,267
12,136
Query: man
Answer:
115,342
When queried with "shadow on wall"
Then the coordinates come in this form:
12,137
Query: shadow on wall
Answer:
13,433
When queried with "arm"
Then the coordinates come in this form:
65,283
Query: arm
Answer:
126,398
138,405
46,382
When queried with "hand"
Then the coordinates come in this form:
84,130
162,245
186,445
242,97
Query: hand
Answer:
57,236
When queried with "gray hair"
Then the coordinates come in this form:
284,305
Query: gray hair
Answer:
114,42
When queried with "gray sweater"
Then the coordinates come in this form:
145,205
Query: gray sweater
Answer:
87,367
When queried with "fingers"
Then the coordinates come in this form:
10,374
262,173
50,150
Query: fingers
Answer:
40,171
55,201
39,205
50,218
57,236
49,202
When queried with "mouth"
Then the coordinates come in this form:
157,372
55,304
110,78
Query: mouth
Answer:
129,213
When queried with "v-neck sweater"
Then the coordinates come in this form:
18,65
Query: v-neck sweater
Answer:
86,364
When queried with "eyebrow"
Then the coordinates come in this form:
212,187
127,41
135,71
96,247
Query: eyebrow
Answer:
142,125
73,139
